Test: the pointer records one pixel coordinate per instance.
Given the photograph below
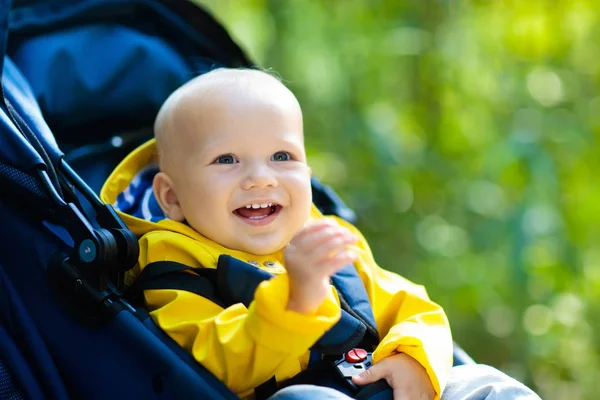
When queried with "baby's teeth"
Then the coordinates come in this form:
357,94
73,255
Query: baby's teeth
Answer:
255,206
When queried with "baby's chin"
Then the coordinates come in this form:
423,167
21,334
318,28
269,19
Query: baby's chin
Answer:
260,246
261,250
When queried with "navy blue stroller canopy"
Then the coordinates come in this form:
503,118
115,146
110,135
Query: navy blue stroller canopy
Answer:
101,69
81,84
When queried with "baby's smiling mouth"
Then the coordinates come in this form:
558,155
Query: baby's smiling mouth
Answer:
257,212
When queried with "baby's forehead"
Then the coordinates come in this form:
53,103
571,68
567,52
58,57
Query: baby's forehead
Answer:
224,90
229,81
208,100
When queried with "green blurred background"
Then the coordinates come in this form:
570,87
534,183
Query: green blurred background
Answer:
463,133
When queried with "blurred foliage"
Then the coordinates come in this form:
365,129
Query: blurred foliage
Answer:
464,134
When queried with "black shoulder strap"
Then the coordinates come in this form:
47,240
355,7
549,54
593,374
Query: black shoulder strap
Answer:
174,275
201,281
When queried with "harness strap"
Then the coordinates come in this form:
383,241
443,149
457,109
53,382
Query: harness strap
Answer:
234,281
172,275
355,301
203,282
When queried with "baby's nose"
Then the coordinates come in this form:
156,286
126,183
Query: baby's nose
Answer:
260,178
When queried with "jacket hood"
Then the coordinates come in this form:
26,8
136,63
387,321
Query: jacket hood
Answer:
129,190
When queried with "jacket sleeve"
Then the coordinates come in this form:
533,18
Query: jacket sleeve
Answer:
243,347
407,320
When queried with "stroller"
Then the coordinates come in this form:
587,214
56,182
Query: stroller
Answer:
82,81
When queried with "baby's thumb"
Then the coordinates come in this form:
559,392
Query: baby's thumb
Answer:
371,375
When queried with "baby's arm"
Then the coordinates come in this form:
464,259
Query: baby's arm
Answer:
243,347
407,320
314,254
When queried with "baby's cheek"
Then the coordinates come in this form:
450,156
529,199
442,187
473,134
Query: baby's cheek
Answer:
300,184
299,220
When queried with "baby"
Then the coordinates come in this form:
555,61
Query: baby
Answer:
233,166
234,184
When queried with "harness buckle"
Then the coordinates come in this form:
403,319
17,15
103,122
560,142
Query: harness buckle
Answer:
353,363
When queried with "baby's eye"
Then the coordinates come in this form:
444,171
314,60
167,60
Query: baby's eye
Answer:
281,156
225,159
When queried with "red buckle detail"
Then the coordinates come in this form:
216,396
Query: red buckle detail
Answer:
356,355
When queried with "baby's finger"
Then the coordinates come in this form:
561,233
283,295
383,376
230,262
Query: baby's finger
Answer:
314,242
327,247
340,260
373,374
312,229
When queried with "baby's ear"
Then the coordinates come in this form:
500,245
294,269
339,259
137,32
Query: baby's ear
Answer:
166,197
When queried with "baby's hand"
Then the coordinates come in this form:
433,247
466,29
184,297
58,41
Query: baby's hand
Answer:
314,254
404,374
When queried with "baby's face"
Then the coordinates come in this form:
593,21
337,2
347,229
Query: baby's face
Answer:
241,177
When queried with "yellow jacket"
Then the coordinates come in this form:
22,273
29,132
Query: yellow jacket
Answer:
244,347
